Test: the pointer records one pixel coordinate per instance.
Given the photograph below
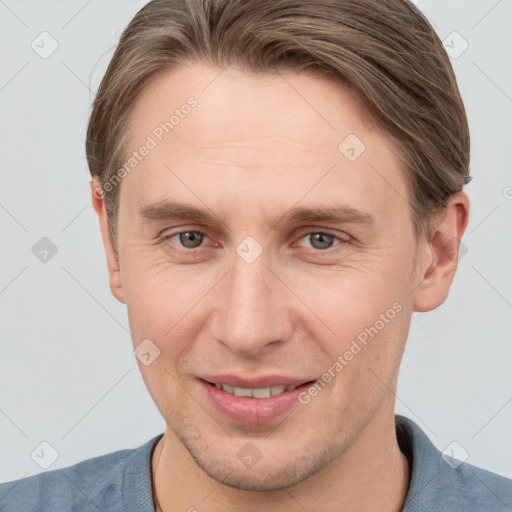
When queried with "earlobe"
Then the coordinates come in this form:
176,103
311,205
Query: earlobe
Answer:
114,271
444,246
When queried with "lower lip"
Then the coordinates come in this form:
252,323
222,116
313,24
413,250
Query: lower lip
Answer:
252,410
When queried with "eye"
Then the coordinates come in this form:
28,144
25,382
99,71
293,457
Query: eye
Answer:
318,240
321,241
187,239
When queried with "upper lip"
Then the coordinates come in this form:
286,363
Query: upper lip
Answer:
264,381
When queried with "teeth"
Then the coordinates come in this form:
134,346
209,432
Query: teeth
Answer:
261,393
255,393
242,392
277,390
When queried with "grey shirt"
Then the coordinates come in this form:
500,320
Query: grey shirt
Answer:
121,481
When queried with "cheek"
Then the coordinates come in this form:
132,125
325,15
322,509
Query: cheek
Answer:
352,298
365,357
163,299
364,311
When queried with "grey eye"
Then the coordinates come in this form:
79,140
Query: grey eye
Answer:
321,240
190,239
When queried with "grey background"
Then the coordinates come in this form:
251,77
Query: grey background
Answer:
68,376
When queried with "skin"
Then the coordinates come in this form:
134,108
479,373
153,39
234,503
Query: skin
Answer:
252,149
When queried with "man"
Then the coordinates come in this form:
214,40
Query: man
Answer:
279,187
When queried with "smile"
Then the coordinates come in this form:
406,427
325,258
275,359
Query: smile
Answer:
238,404
254,393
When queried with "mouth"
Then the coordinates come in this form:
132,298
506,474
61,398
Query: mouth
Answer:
253,405
255,392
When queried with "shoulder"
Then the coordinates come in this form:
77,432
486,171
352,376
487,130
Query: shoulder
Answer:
99,483
443,483
477,488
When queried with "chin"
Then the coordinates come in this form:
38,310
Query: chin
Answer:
261,479
280,470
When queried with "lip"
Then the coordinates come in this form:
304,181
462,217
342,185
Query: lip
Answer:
252,411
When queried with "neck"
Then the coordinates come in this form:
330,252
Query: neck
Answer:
372,474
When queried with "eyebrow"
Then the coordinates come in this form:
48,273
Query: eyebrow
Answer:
172,210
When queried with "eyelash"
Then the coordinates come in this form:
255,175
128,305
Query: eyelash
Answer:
341,241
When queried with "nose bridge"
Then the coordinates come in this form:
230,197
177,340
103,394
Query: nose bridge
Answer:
250,308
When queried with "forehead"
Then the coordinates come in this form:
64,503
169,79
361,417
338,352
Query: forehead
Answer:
233,104
258,137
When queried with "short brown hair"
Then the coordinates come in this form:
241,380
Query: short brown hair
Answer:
384,50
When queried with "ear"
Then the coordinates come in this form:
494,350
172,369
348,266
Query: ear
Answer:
114,272
441,254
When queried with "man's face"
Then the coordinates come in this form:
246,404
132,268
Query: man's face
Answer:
254,297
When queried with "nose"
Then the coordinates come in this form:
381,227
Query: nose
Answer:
252,308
